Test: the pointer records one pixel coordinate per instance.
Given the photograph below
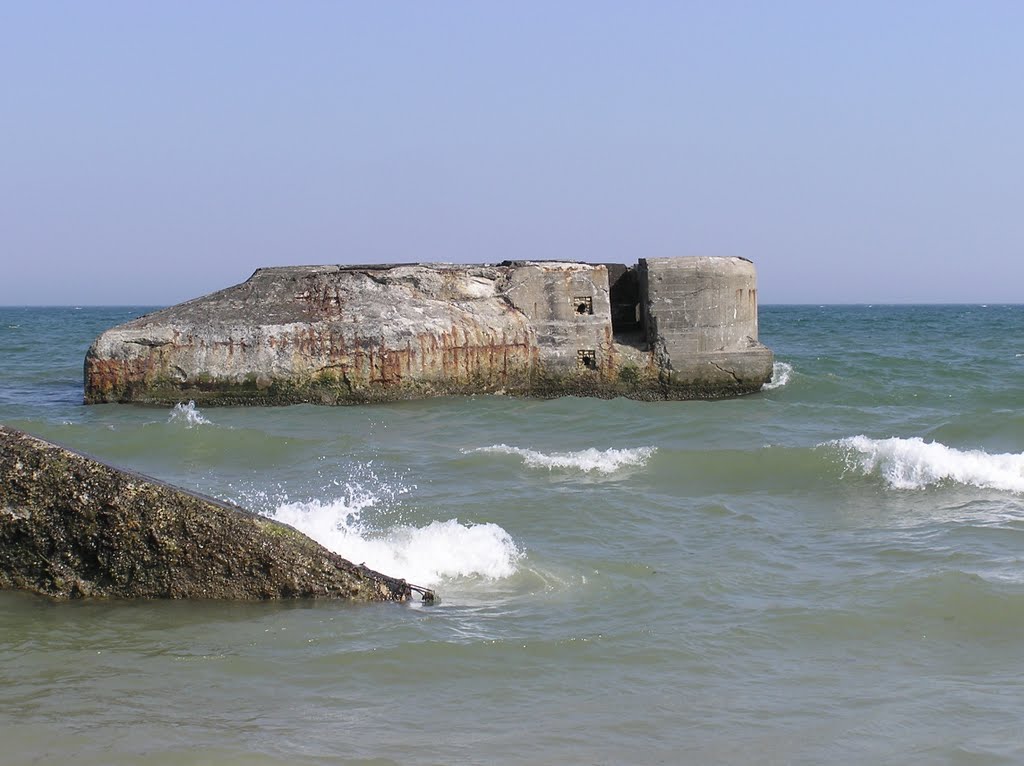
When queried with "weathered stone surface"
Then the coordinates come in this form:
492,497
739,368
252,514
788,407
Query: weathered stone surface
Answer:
72,527
348,334
701,319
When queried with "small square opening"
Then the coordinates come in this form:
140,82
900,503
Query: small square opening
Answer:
583,304
586,359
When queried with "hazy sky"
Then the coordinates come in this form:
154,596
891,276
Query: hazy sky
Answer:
855,151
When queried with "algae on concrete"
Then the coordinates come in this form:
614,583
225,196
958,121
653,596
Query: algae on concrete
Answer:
73,527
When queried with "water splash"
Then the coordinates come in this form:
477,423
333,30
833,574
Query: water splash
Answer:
187,415
781,373
917,464
602,461
428,555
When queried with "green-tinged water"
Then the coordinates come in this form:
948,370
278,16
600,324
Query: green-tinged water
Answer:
830,571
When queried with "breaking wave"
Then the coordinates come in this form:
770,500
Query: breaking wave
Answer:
917,464
187,415
602,461
781,373
428,555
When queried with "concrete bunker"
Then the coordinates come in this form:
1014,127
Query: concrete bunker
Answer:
666,328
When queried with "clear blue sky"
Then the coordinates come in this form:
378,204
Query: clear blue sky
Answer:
861,151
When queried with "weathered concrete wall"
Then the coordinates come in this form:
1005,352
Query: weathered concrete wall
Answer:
567,306
700,316
343,334
72,527
322,334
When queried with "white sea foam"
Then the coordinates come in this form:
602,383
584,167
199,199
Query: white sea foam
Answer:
781,373
917,464
187,415
601,461
439,551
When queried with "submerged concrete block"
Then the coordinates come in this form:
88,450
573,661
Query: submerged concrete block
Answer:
73,527
347,334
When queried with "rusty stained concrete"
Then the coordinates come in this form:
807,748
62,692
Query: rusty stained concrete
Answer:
335,334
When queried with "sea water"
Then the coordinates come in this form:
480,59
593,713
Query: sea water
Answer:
829,571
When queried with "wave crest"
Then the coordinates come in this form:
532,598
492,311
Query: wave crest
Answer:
916,464
602,461
428,555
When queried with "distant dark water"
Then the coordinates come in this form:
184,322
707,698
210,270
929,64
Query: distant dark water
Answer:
827,571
